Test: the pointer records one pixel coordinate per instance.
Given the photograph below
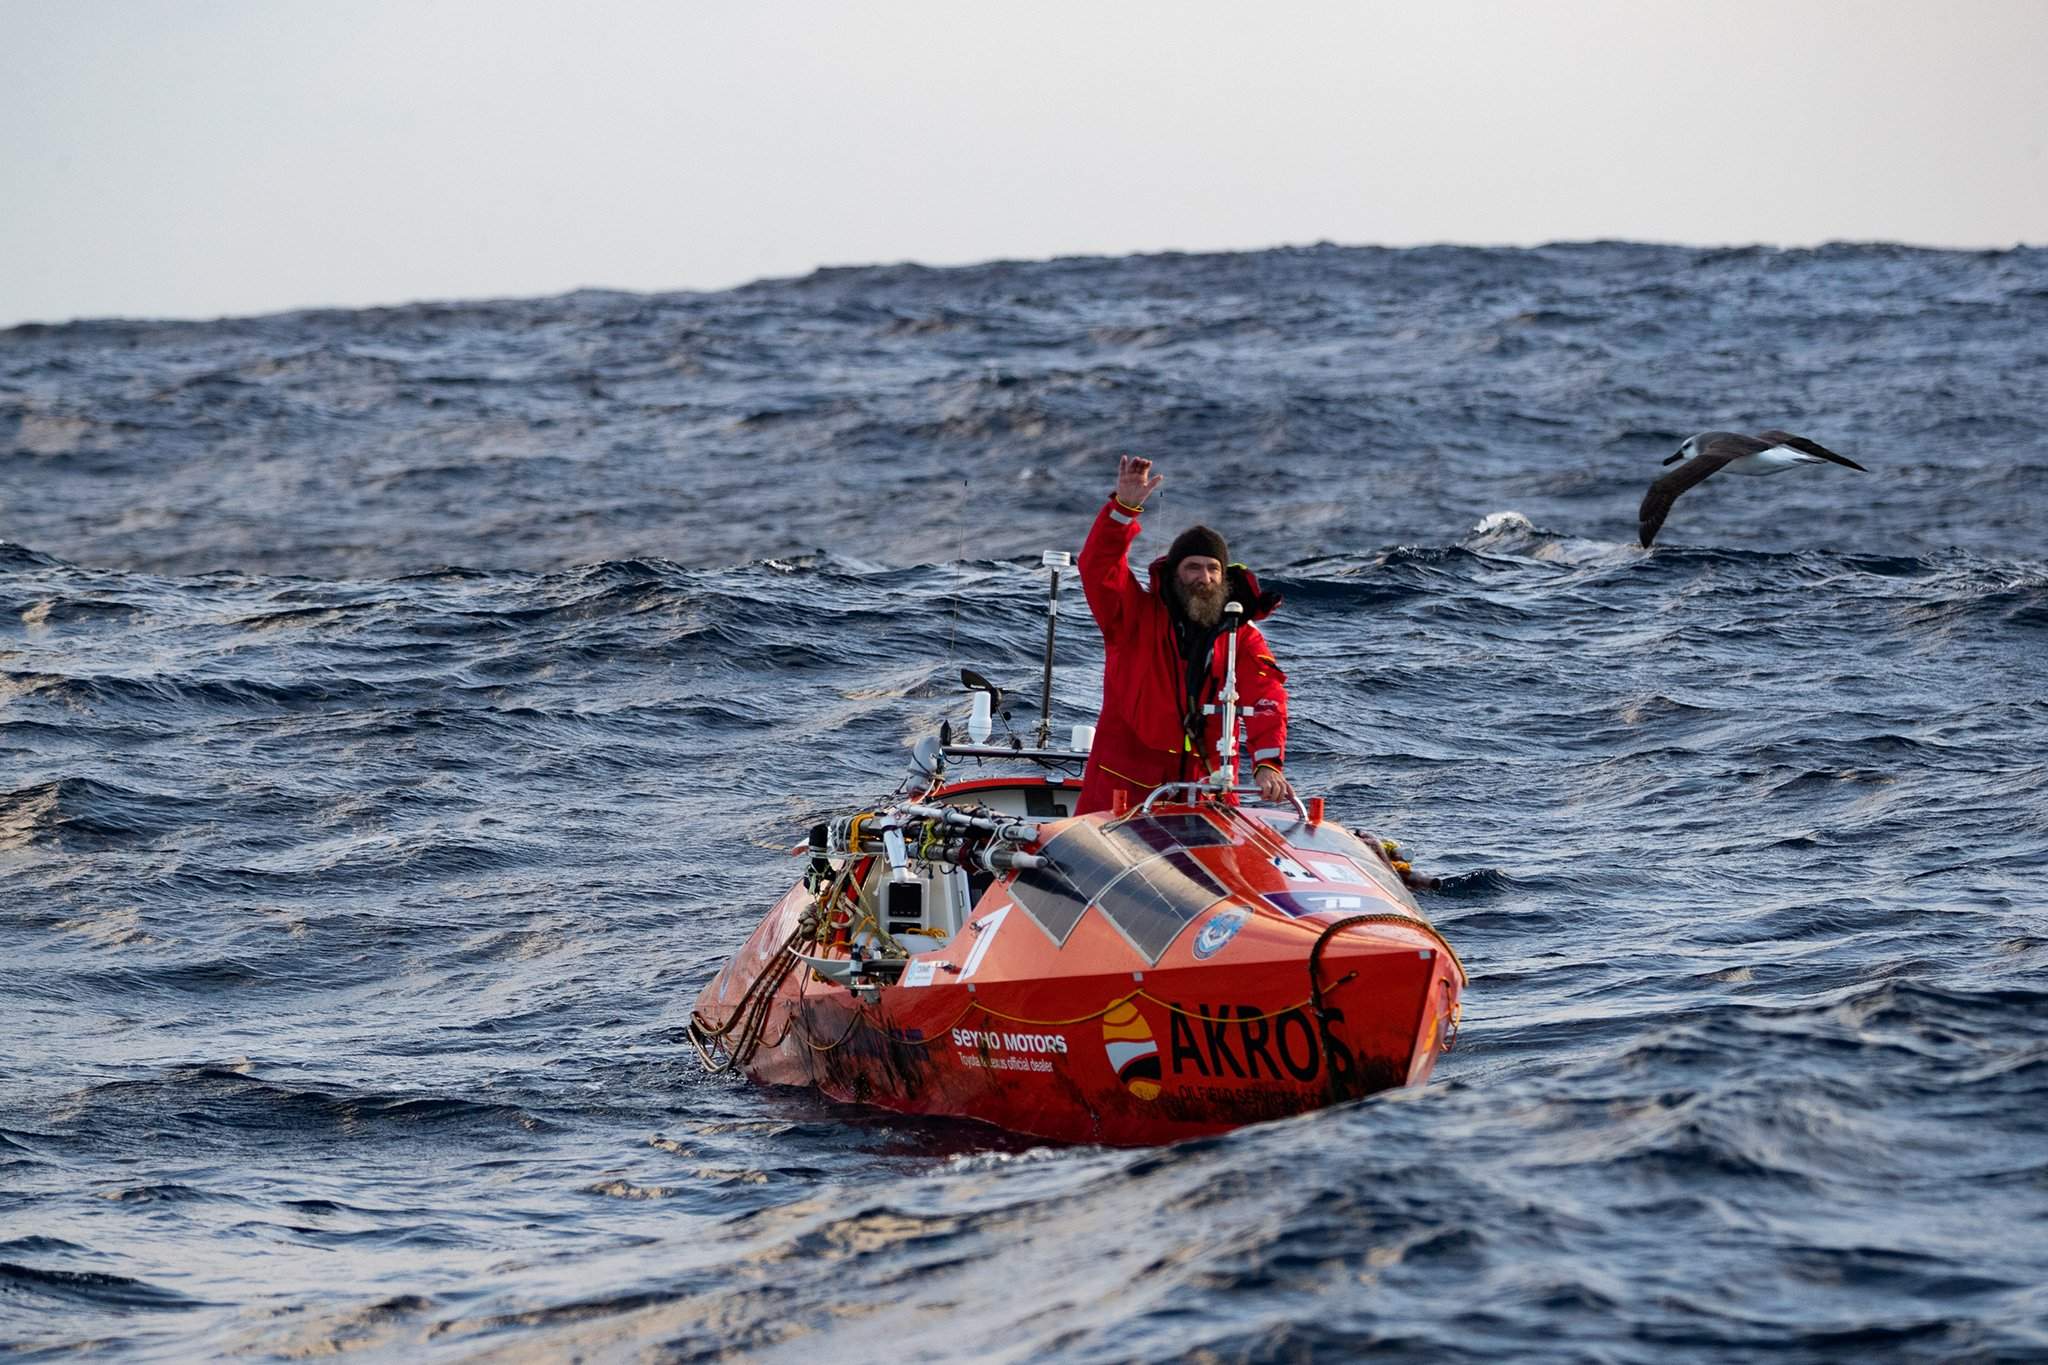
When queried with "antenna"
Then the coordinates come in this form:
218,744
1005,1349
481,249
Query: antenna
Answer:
1226,773
1054,560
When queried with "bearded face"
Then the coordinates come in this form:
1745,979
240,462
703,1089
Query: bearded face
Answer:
1199,581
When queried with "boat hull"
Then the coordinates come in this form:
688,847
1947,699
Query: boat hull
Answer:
1182,1054
1267,1003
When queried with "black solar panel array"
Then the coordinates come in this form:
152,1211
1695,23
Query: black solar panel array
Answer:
1139,874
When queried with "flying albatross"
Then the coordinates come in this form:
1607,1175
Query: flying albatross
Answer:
1767,452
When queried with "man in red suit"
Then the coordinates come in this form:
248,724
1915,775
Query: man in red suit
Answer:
1166,640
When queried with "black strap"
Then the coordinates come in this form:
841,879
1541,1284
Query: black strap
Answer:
1198,680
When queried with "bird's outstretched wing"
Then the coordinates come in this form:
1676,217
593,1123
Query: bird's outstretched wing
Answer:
1657,502
1806,447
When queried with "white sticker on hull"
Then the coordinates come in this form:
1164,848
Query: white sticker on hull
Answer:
919,973
984,936
1001,1050
1291,869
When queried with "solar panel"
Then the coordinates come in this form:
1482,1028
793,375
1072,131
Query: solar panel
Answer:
1154,901
1079,864
1166,832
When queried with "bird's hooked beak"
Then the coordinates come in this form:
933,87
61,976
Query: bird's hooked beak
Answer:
1677,455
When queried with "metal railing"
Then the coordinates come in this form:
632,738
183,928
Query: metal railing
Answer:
1196,790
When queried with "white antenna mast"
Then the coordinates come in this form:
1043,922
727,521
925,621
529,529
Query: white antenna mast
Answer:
1226,772
1054,560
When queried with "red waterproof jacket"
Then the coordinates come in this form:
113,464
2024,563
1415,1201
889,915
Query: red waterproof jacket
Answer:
1140,739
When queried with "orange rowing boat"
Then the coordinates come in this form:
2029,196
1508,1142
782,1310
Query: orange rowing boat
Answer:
1127,978
972,948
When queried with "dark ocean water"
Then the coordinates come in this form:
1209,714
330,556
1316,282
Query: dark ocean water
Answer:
403,712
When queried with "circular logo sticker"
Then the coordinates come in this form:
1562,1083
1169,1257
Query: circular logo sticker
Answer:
1218,932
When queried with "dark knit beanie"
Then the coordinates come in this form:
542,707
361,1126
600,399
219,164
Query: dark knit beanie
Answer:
1196,540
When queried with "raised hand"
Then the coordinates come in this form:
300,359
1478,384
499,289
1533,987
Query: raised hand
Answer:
1135,480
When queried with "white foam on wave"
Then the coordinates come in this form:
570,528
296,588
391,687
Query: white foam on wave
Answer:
1502,521
1510,533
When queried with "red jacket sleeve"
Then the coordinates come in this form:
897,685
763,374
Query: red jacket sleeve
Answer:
1262,692
1114,592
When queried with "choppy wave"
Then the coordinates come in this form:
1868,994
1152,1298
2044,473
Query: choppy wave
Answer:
402,712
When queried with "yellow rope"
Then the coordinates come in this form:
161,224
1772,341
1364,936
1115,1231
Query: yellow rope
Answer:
1439,1035
1235,1018
939,1035
1052,1023
973,1005
1166,1005
859,1017
860,1014
870,922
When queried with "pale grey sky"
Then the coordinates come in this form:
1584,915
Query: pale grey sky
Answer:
191,158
